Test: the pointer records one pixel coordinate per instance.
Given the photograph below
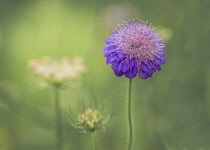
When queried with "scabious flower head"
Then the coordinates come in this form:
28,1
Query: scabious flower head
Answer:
90,120
135,48
57,71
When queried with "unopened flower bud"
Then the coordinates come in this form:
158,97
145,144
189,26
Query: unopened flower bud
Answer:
90,120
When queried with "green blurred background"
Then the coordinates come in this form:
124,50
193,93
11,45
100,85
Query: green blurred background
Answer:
171,110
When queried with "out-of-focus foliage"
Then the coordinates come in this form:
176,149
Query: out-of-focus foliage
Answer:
171,110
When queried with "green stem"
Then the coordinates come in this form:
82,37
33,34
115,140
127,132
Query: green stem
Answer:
94,141
58,121
129,115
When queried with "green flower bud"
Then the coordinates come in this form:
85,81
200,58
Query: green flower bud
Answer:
90,120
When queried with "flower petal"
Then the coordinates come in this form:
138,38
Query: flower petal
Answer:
142,74
125,66
108,53
131,73
158,67
134,70
111,47
115,65
119,74
112,58
145,68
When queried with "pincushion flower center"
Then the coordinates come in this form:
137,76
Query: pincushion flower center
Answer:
137,43
138,48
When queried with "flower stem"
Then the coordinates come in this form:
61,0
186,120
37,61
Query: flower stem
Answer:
94,141
58,121
129,115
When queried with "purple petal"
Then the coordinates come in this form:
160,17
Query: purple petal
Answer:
115,65
145,68
131,73
125,66
163,61
149,73
121,56
107,53
112,58
110,39
142,74
160,60
119,74
119,67
158,67
111,47
132,62
134,70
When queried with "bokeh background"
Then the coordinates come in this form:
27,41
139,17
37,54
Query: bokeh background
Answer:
171,110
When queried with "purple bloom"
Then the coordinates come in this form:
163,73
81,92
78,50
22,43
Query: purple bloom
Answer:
134,48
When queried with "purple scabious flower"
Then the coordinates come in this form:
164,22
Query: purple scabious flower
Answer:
134,48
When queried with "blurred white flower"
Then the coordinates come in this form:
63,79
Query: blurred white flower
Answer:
57,71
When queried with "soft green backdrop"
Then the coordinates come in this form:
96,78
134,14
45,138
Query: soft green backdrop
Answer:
171,110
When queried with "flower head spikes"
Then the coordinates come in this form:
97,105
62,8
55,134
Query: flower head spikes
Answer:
134,48
90,120
57,72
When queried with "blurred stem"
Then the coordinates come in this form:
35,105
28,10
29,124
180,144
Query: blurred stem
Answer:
58,121
129,115
94,141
